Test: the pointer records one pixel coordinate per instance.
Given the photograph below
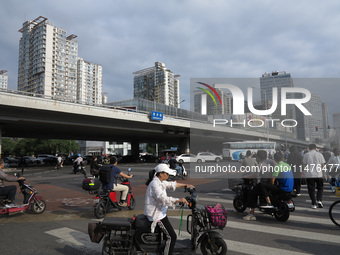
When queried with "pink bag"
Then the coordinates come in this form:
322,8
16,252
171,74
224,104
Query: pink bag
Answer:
217,215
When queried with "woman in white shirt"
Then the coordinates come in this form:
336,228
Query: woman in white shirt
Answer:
157,202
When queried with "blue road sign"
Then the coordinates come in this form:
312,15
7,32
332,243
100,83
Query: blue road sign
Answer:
157,116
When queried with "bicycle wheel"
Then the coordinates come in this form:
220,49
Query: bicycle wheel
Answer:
334,213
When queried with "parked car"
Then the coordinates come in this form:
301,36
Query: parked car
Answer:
47,159
51,160
208,156
11,161
187,158
69,159
29,161
149,158
130,159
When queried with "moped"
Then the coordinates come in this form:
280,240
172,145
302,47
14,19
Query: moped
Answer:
282,203
133,236
31,201
79,168
174,176
107,200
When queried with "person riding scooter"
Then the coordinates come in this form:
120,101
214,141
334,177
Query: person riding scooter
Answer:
157,202
283,175
264,174
173,164
11,190
77,161
113,185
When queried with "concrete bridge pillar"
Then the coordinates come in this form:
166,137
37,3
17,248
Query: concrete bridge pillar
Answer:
135,148
0,141
185,145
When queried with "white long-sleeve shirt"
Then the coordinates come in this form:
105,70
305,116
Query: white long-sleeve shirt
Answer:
157,200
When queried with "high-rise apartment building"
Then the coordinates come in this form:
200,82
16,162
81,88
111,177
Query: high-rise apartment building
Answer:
157,84
3,79
336,126
278,80
48,61
313,127
89,82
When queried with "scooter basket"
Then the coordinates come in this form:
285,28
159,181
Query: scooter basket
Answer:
217,215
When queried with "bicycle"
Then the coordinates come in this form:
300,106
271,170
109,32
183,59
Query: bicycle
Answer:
334,213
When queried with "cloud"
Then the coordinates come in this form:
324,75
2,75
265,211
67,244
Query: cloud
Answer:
194,38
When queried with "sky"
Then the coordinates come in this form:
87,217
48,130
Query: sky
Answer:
194,38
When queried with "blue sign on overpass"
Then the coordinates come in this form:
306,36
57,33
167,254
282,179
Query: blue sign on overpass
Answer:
156,116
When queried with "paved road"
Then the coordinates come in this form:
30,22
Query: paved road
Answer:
62,229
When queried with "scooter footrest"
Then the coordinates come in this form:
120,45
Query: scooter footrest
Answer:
116,223
182,245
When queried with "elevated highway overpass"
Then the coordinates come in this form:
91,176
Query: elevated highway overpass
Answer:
34,116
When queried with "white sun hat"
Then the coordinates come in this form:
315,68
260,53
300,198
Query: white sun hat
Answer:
163,168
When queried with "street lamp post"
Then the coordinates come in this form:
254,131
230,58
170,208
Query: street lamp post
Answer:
178,106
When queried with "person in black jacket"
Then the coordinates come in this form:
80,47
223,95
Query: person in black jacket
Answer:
94,167
173,164
295,162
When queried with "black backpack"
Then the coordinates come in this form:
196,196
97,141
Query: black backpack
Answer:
105,174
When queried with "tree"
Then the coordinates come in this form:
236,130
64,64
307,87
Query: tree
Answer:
29,146
8,146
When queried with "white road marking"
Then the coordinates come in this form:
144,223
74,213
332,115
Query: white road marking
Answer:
75,238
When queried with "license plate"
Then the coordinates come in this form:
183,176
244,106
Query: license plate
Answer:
96,200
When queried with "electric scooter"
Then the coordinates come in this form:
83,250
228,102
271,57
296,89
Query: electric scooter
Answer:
174,176
80,168
133,236
107,200
282,203
31,201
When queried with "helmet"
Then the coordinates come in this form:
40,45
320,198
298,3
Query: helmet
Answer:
79,155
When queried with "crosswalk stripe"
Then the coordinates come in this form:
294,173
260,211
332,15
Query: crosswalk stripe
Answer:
252,249
75,238
319,237
230,201
81,240
280,231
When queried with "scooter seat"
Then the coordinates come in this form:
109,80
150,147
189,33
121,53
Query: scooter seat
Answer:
3,197
142,221
116,223
286,196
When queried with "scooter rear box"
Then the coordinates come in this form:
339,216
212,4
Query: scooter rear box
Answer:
91,184
116,223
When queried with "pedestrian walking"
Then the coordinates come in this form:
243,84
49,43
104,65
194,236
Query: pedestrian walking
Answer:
314,164
295,162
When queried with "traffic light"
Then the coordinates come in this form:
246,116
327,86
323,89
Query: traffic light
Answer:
329,127
316,128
